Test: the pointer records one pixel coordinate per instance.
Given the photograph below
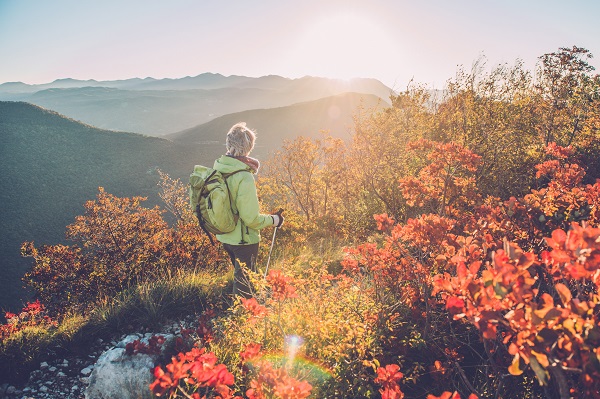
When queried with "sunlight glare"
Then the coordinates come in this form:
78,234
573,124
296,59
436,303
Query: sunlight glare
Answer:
343,46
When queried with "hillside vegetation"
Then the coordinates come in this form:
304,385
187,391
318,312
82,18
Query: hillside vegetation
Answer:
450,249
51,165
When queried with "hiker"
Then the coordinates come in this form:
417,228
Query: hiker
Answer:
242,243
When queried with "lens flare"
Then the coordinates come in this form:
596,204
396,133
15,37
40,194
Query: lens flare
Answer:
295,363
291,345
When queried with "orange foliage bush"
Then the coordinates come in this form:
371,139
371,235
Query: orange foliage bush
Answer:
117,243
533,301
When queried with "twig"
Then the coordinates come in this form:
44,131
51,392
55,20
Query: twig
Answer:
465,379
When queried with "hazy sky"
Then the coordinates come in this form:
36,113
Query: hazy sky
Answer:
390,40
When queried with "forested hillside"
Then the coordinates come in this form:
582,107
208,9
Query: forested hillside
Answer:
51,165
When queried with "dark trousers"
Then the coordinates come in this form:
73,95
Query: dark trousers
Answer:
242,254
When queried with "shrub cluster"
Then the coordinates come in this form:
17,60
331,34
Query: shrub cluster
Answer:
117,244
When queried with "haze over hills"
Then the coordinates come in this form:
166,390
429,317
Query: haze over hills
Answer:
51,165
273,125
162,106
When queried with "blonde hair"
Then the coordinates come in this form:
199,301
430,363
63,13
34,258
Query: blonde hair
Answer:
240,140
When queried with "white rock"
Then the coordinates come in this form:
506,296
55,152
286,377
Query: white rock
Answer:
74,387
61,374
43,388
43,365
52,369
118,375
87,371
10,390
128,339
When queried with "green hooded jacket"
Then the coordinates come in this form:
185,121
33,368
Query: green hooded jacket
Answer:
244,201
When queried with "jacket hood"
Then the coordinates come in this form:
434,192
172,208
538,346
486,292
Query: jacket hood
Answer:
227,164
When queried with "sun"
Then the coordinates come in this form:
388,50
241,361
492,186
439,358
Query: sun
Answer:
342,46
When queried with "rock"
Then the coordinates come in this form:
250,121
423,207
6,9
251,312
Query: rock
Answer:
52,369
128,339
11,390
43,365
74,387
118,375
43,388
87,371
61,374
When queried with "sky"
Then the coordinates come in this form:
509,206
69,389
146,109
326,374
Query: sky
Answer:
394,41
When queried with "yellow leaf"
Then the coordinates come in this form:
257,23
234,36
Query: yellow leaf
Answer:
564,292
541,358
514,367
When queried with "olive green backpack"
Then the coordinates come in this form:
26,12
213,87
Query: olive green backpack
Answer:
210,200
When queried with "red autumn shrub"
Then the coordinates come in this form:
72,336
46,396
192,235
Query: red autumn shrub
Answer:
32,315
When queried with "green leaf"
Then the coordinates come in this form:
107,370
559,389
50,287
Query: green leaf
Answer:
540,372
500,290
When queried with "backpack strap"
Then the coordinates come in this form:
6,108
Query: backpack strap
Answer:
201,223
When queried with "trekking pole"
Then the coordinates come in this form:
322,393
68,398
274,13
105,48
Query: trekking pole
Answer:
272,243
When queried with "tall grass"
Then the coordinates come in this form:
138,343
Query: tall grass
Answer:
145,306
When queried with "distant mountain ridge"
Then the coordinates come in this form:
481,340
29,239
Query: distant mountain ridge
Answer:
162,106
206,80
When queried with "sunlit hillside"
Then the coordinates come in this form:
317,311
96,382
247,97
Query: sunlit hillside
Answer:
52,165
332,114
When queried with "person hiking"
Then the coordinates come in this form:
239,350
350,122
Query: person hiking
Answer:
241,244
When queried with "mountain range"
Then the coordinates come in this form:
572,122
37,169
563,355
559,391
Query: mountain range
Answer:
158,107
